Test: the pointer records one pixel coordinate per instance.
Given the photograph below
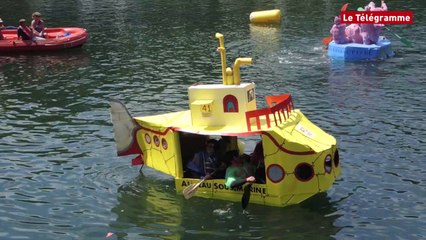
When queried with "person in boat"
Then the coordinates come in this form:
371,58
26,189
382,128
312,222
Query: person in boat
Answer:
257,159
338,31
24,32
226,144
373,8
353,32
370,32
37,24
206,162
239,171
1,28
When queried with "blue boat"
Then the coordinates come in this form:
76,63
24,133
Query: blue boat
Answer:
361,52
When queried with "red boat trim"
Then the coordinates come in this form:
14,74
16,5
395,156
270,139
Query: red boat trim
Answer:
134,147
284,149
280,147
157,132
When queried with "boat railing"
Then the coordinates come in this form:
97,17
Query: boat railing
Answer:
279,106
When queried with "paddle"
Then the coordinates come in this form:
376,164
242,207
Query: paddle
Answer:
328,40
246,196
401,39
190,190
344,7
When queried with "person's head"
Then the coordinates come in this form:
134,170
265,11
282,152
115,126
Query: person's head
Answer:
337,20
22,22
233,158
211,146
36,15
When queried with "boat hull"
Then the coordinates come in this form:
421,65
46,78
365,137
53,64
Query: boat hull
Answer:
56,39
361,52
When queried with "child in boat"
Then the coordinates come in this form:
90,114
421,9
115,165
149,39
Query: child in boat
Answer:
37,24
239,172
24,32
338,31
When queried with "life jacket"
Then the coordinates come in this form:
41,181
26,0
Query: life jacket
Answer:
39,26
27,31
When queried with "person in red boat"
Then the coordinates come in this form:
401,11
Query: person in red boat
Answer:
24,32
1,28
37,24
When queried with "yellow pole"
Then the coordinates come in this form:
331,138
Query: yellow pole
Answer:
237,63
222,51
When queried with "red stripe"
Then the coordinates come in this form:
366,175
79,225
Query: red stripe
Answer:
284,149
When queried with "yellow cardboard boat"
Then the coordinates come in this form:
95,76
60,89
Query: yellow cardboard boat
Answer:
301,160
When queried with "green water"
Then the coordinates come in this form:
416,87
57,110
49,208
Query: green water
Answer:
59,174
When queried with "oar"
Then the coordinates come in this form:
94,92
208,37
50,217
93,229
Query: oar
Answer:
327,40
190,190
403,40
246,196
344,7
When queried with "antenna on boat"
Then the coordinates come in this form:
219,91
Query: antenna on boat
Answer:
230,77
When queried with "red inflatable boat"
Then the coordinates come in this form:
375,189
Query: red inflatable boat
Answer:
56,39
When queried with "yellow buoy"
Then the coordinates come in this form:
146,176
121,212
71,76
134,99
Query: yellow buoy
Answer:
268,16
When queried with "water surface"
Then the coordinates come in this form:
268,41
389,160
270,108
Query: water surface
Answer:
59,174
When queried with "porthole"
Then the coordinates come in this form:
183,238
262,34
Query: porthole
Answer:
328,165
156,140
164,143
336,158
304,172
147,138
275,173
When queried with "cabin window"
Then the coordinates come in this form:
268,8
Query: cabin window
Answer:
156,140
275,173
250,95
336,158
164,144
230,103
327,164
147,138
304,172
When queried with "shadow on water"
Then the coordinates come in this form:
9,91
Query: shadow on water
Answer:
149,207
